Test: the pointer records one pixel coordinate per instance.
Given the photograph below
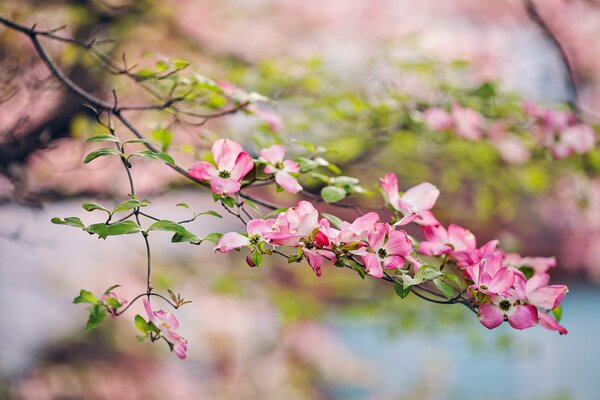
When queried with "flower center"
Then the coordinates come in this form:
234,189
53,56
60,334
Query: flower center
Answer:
483,287
279,165
309,245
382,253
254,239
504,305
166,325
224,174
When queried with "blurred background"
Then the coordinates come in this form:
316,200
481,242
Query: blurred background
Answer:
353,77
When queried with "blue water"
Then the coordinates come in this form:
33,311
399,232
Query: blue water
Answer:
535,364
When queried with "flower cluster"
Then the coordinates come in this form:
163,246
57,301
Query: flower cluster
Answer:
557,130
500,286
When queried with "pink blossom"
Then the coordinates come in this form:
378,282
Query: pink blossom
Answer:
168,324
283,169
548,322
575,139
294,224
350,232
468,123
415,203
437,119
256,228
465,258
540,265
388,248
519,316
232,165
441,241
489,276
542,295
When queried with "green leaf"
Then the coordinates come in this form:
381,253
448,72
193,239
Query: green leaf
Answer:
91,206
139,140
427,273
253,206
185,205
275,213
70,221
331,194
85,297
445,288
228,201
557,311
118,228
401,290
111,301
97,316
335,221
159,156
163,136
306,164
103,138
311,147
454,279
210,212
129,205
99,229
527,271
166,225
141,324
100,153
187,236
256,258
111,288
213,237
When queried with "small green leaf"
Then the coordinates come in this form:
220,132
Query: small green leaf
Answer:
70,221
97,316
141,324
275,213
557,311
123,228
210,212
159,156
331,194
185,205
256,258
166,225
187,236
85,297
527,271
91,206
111,288
129,205
401,290
311,147
335,221
427,273
253,206
454,279
228,201
139,140
163,136
445,288
213,237
103,138
306,164
111,301
100,153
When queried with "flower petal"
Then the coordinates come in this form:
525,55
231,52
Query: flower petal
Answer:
490,316
389,184
203,170
420,198
273,153
523,317
231,241
224,186
287,182
372,265
243,164
548,322
225,152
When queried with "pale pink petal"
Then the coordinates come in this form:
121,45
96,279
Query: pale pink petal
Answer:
420,198
433,248
523,317
501,281
148,309
273,154
291,166
548,297
426,218
460,238
468,123
287,182
243,164
231,241
260,226
203,171
437,119
314,260
377,236
537,281
224,186
393,262
398,243
225,152
490,316
389,184
548,322
372,265
282,238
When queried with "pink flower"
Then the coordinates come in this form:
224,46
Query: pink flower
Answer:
576,139
387,248
519,316
168,324
415,203
437,119
468,123
350,232
255,228
232,165
465,258
283,169
542,295
294,224
548,322
540,265
441,241
489,276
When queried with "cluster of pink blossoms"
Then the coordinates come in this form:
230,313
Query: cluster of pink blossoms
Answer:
497,285
559,131
167,323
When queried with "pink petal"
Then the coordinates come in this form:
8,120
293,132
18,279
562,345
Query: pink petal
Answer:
287,182
426,218
377,236
282,238
372,265
460,238
398,243
490,316
548,297
389,184
243,164
231,241
225,152
523,317
259,226
537,281
148,309
393,262
420,198
291,166
468,123
273,154
203,171
224,186
314,260
361,225
501,281
548,322
437,119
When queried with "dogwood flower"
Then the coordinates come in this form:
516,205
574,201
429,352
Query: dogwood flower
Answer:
575,139
489,276
519,316
441,241
255,228
388,248
415,203
294,224
468,123
232,164
283,169
437,119
168,324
